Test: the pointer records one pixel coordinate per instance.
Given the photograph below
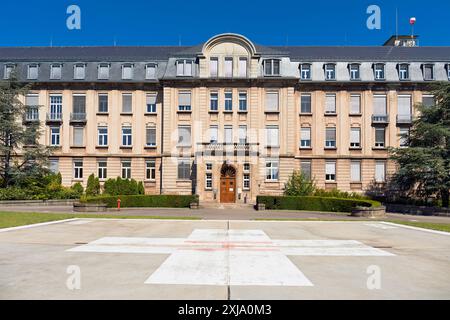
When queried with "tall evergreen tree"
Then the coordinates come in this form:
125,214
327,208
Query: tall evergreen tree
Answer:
424,167
21,156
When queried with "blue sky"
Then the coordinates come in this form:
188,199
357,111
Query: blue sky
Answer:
169,22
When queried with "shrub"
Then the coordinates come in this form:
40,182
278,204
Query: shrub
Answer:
335,193
119,186
299,185
314,203
141,189
143,201
77,188
93,186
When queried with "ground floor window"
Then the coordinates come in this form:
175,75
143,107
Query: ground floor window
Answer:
330,171
78,169
126,169
184,169
271,170
355,171
54,165
380,171
246,181
208,181
102,169
305,167
150,169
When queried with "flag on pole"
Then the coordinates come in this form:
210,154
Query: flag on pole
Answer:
412,21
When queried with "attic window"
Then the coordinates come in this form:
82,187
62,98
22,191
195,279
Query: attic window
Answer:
103,71
272,67
184,68
330,71
378,70
355,73
33,70
403,71
428,72
55,71
79,71
9,69
127,71
305,71
150,71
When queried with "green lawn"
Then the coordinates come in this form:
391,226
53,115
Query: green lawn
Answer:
427,225
14,219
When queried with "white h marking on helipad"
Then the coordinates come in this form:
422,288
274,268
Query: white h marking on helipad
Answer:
230,257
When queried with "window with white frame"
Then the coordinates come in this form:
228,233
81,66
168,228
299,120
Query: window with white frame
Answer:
272,167
228,101
213,134
55,136
184,68
242,134
243,101
305,103
208,181
150,135
126,169
330,104
102,103
53,165
354,71
272,100
305,169
330,171
214,67
243,67
184,169
403,71
403,137
103,71
380,171
272,136
379,73
127,71
355,137
355,171
305,137
330,71
102,136
380,137
330,138
355,104
33,71
150,71
228,134
9,69
272,67
184,136
305,71
79,71
150,169
55,107
209,166
428,72
32,107
127,137
55,71
184,101
246,167
78,136
127,103
228,67
78,169
102,169
213,101
404,108
150,102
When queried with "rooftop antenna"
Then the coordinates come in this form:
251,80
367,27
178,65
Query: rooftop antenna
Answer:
396,23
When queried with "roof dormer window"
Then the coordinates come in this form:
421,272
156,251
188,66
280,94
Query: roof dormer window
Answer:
79,71
305,71
330,71
354,70
184,68
103,71
428,72
9,69
272,67
127,71
33,71
55,71
378,70
150,71
403,71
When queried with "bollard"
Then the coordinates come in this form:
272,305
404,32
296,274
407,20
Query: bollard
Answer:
118,204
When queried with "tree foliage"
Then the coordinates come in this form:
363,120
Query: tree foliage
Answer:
299,185
93,186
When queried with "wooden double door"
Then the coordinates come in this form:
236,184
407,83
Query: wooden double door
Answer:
228,184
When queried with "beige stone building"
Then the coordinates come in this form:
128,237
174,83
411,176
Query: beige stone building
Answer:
228,119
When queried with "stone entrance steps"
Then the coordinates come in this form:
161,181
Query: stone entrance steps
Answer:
224,206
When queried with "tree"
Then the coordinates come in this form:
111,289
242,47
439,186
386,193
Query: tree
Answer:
299,185
93,186
21,156
424,167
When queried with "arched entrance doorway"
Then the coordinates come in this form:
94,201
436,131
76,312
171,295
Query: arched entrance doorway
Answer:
227,184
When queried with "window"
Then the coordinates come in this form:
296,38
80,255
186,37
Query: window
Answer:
354,72
55,107
380,171
380,105
55,71
78,139
150,102
246,167
305,168
355,104
448,71
330,104
272,136
228,101
55,136
102,136
9,69
330,171
228,134
305,71
214,67
330,71
379,71
246,181
213,134
209,166
127,103
428,101
79,106
272,102
150,71
228,67
103,71
184,68
208,181
150,136
79,71
355,137
271,170
127,136
355,171
305,138
403,71
243,67
213,101
32,104
330,138
379,137
305,103
404,109
53,165
243,101
404,135
102,169
272,67
127,71
184,101
33,71
184,136
126,169
78,169
150,169
428,72
103,103
184,169
242,134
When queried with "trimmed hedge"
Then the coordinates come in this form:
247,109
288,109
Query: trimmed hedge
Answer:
145,201
314,203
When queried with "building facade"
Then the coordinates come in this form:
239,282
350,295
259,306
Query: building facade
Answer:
228,119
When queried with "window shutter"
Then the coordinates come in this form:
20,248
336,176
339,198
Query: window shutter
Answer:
184,98
151,99
330,168
379,105
79,104
188,68
214,67
404,105
380,168
32,100
78,136
355,169
242,67
330,106
379,135
305,167
126,103
355,104
306,134
151,72
330,134
272,101
355,135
